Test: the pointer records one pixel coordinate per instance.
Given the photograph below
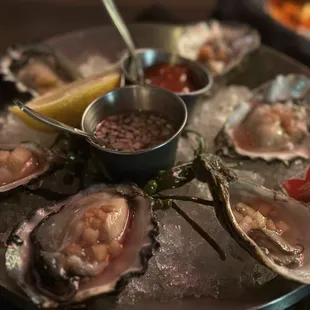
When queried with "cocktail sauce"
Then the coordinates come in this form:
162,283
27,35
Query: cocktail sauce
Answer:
175,78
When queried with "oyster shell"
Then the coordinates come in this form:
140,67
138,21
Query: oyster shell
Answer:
298,188
219,46
36,69
273,124
272,227
19,164
87,244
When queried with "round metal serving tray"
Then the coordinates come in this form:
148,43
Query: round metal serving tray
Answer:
259,67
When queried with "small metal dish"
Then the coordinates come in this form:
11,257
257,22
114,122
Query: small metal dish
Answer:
141,165
149,57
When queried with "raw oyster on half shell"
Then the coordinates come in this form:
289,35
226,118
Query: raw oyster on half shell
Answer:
19,164
220,47
36,69
273,124
272,227
86,244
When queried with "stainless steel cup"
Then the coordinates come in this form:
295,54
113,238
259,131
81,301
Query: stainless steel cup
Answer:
142,165
149,57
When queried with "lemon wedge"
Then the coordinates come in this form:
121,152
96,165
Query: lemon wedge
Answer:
67,103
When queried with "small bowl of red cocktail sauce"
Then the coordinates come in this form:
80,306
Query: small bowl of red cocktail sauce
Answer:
184,77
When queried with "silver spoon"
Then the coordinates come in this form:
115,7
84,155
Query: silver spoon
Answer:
51,122
124,32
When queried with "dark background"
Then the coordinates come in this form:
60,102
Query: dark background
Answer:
27,20
32,20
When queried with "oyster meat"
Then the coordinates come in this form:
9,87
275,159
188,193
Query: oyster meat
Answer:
272,227
260,217
219,46
272,127
86,244
36,69
21,163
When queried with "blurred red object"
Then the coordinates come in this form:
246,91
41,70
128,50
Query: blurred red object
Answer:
299,189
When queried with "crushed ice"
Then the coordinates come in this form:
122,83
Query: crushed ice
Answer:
14,131
94,64
186,265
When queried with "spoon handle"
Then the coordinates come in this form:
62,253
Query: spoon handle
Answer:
51,122
123,30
